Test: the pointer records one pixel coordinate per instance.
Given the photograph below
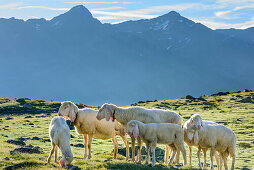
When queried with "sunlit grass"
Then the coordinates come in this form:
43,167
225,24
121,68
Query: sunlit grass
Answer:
224,109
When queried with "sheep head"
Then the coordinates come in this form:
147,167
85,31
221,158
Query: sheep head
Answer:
68,109
65,161
193,126
106,111
132,128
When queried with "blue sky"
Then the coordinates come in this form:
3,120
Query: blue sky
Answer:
212,13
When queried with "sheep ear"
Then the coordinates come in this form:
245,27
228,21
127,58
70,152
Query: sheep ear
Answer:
135,131
196,137
202,123
72,115
107,113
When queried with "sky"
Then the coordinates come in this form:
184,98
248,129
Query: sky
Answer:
212,13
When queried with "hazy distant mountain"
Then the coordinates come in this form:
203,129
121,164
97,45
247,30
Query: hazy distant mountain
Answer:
76,57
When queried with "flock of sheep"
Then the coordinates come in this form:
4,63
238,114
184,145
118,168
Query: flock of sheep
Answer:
150,126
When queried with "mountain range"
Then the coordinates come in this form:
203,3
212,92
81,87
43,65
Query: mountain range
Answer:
75,57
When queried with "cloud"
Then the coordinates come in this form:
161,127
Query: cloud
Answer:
122,14
42,7
114,2
108,8
146,13
222,25
11,5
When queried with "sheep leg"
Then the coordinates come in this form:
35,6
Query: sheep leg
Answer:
126,145
180,147
51,152
231,150
89,145
153,153
56,154
173,155
225,161
167,154
147,153
204,152
85,143
176,160
115,146
233,162
198,154
212,151
220,166
217,159
133,148
140,143
190,155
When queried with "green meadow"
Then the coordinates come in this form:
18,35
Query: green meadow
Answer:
27,120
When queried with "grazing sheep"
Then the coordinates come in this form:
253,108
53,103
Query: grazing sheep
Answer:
214,136
124,115
188,134
85,123
59,133
170,134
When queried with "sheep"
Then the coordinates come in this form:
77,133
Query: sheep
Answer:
170,134
124,115
85,123
59,133
214,136
188,133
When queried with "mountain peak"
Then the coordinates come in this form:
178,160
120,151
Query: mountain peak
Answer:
80,10
171,14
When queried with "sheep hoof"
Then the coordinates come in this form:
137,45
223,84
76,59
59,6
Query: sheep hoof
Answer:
89,157
85,156
153,164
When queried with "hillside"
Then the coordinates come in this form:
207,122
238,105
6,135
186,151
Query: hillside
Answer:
74,56
234,109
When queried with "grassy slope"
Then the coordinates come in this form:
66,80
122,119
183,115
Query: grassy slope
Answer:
235,115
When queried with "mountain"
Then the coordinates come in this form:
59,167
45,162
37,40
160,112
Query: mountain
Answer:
75,57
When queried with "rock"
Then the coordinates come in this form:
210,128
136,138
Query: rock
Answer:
6,158
73,168
208,103
27,106
245,169
16,142
107,160
220,94
28,117
8,118
79,145
35,138
190,97
30,124
4,135
19,165
246,90
26,150
21,139
245,100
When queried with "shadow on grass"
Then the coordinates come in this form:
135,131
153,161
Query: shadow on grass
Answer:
135,166
159,153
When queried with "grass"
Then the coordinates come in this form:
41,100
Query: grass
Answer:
223,109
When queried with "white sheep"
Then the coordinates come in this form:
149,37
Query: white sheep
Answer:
170,134
188,134
59,133
214,136
85,123
124,115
